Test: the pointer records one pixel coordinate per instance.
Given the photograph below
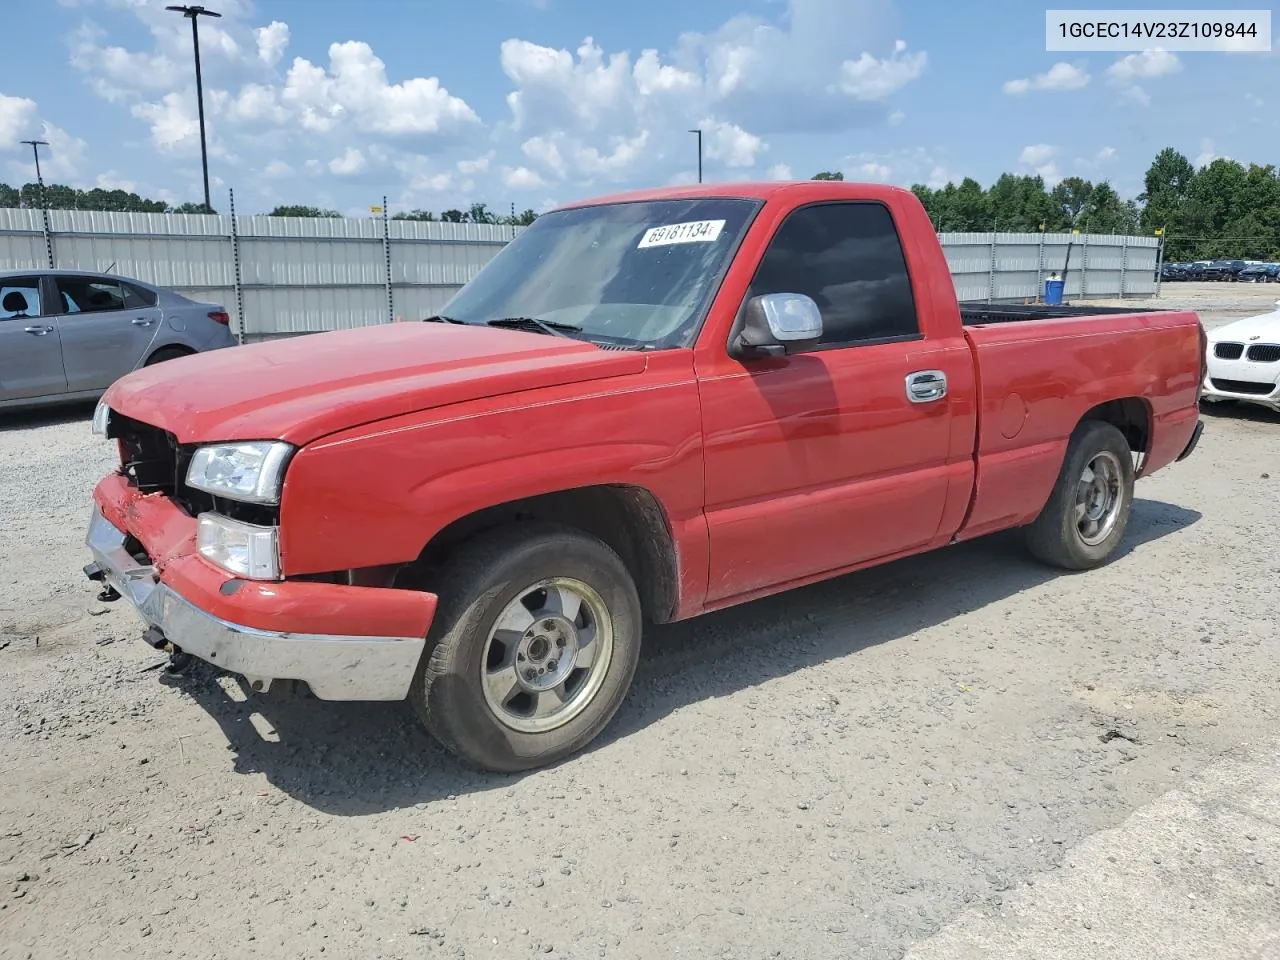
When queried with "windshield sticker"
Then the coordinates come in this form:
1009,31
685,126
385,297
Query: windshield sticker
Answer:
693,231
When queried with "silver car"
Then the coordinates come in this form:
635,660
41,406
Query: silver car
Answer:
69,334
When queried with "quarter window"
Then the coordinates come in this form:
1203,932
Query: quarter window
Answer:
849,259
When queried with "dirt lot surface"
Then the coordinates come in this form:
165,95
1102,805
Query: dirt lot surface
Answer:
838,772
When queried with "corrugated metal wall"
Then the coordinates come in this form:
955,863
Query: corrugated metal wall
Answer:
299,273
1014,266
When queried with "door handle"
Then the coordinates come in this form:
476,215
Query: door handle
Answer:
38,331
142,321
926,386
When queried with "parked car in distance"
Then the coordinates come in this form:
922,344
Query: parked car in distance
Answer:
67,335
1244,361
645,407
1260,273
1173,271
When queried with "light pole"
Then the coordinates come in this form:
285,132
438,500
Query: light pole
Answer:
44,206
194,14
699,133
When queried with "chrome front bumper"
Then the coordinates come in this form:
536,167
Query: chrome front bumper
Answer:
334,667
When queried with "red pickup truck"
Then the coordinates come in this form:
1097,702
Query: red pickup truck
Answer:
646,407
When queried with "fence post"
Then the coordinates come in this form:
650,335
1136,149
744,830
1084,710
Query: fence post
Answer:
1084,266
235,261
1124,263
991,274
1040,271
1159,260
386,256
48,233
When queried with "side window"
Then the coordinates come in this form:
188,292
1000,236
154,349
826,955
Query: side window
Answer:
848,258
136,297
90,294
19,297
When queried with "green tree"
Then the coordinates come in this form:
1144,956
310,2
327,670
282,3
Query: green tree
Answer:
296,210
828,175
415,215
453,216
191,207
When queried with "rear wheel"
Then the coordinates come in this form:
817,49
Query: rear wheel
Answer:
533,648
166,353
1085,518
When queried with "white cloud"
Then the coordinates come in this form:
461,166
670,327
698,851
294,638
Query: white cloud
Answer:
277,170
355,88
1037,154
272,41
1041,158
350,163
478,165
18,117
902,167
173,121
522,178
61,160
1208,154
1061,76
896,118
780,171
730,144
870,79
1148,65
877,172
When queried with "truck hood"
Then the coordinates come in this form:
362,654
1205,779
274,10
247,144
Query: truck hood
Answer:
303,388
1266,325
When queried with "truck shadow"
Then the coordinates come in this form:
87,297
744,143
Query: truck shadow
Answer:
352,759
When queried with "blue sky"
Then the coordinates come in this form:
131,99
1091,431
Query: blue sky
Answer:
536,102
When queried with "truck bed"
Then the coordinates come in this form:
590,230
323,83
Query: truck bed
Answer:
978,314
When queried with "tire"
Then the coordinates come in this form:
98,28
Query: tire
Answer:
166,353
517,725
1061,536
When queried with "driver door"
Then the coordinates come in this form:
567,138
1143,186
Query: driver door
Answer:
824,459
30,351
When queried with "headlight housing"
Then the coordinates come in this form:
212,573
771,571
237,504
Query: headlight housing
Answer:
251,472
101,414
245,549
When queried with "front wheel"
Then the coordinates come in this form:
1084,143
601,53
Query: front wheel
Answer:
533,647
1084,520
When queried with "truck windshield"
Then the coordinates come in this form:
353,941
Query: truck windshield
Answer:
637,274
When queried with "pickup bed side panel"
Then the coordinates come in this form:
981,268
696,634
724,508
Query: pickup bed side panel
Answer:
1038,379
444,464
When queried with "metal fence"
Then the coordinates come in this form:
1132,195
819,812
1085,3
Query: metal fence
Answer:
1014,266
284,275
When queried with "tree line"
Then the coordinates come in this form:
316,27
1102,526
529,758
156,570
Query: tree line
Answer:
61,197
1224,209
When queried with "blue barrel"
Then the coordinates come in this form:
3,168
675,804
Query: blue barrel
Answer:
1053,292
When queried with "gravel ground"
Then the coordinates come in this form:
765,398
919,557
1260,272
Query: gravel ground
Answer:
836,772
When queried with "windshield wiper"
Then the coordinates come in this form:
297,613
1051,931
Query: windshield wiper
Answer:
441,318
544,326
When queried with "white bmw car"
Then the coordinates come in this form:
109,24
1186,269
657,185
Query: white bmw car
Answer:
1244,361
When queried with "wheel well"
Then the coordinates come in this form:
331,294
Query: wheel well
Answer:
176,349
629,519
1131,416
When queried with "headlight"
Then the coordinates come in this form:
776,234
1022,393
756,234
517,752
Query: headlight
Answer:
251,472
242,548
101,414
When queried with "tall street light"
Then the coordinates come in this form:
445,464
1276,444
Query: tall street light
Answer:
699,133
44,207
193,14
